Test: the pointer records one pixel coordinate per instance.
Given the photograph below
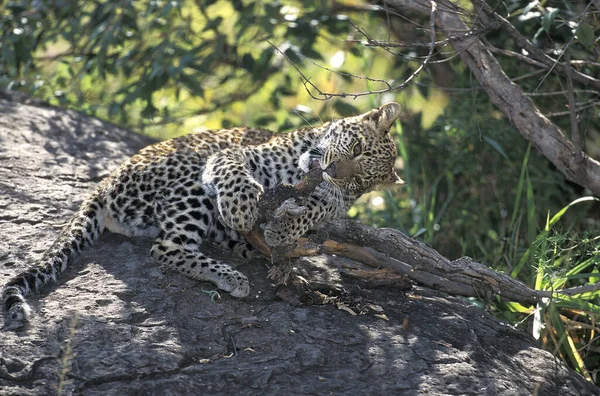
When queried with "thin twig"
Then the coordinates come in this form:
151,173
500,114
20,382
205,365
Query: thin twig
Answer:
573,291
575,137
321,95
564,92
586,105
515,55
579,62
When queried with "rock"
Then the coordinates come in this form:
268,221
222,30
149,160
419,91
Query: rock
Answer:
117,325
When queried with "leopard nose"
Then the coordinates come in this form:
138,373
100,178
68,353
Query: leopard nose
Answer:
314,163
331,170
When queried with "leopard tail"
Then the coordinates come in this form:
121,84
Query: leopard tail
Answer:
82,230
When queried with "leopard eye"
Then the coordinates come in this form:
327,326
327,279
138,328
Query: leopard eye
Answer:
357,149
359,180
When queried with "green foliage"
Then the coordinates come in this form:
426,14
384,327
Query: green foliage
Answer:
565,259
154,63
474,186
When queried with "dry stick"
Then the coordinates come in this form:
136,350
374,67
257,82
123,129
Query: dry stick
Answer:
271,201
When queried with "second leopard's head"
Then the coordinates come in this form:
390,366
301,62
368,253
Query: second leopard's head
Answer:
357,153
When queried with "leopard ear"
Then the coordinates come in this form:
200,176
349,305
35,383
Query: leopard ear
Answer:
385,116
388,114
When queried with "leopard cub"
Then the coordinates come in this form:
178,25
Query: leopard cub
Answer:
206,186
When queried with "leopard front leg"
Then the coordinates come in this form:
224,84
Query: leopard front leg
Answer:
227,177
234,241
198,266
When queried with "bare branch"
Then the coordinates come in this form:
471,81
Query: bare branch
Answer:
322,95
564,92
515,55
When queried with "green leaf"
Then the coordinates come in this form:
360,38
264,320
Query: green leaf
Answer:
337,24
537,34
265,119
585,35
548,18
345,75
356,51
213,24
520,188
293,55
309,52
531,223
260,67
496,146
238,5
529,7
149,111
192,85
247,62
186,59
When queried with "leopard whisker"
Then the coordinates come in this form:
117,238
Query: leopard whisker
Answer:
307,122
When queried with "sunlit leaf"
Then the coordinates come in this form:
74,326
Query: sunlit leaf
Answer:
548,19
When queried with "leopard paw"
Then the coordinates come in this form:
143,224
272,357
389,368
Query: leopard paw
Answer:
235,283
239,210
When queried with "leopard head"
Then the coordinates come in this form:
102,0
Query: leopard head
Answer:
357,154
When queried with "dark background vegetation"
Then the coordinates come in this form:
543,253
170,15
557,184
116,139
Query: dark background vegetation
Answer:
476,187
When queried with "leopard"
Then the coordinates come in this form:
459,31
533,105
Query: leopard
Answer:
206,186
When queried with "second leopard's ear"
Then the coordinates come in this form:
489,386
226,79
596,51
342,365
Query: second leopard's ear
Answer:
385,115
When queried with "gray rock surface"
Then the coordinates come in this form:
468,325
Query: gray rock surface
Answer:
117,325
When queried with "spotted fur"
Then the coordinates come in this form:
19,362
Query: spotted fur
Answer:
205,186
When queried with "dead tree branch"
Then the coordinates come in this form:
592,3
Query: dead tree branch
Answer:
390,249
